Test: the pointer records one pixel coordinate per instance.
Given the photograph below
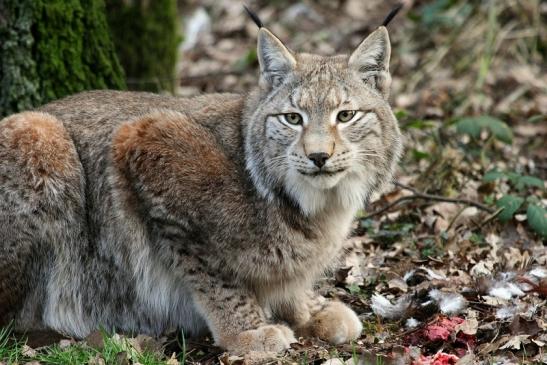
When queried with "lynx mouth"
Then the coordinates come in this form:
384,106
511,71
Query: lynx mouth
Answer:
321,172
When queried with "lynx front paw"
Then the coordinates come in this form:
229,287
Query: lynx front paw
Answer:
335,323
270,338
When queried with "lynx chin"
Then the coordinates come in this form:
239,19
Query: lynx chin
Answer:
143,213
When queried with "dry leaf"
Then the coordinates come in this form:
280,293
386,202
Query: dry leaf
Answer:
516,342
469,326
172,360
28,351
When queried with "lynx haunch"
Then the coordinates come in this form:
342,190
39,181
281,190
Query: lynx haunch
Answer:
145,213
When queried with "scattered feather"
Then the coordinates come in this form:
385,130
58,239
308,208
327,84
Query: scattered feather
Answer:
538,272
412,323
384,308
506,312
505,290
408,275
501,292
449,303
432,274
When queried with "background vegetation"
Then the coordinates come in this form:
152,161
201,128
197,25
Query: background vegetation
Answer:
447,265
51,49
54,48
145,34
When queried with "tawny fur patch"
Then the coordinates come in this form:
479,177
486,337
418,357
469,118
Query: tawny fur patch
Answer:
170,140
40,145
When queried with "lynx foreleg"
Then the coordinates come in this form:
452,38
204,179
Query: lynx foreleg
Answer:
234,316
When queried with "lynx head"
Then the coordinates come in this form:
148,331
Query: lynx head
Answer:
319,129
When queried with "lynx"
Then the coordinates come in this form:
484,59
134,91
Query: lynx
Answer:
143,213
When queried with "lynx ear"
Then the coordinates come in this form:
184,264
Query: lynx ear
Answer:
276,61
371,61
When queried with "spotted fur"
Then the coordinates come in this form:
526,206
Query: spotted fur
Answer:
144,213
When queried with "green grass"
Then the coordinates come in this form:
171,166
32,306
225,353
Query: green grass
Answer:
10,349
115,350
76,354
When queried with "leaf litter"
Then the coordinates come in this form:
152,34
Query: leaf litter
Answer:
434,278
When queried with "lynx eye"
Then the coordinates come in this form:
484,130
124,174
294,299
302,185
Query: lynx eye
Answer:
345,116
293,118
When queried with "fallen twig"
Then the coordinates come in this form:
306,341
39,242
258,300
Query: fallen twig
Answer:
419,195
445,199
488,219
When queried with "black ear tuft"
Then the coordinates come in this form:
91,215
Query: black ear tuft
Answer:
254,17
390,16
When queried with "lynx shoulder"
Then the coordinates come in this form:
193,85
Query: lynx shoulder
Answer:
146,213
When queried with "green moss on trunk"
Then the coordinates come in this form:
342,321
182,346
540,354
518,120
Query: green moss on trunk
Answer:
73,49
18,78
146,39
54,48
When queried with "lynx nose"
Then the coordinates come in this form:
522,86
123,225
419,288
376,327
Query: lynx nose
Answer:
319,159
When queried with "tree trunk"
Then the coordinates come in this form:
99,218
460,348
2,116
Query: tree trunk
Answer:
53,48
19,84
145,33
